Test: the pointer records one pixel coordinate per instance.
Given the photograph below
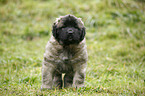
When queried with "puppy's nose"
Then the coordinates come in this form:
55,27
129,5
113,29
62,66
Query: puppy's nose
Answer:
70,31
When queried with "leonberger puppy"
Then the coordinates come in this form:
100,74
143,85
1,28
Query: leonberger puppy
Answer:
66,53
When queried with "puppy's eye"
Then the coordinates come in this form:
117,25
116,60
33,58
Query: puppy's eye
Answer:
76,27
62,27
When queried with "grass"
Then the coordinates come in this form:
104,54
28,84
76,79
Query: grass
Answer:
115,39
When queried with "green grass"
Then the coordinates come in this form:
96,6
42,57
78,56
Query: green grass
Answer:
115,39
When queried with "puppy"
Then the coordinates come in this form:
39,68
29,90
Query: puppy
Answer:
65,53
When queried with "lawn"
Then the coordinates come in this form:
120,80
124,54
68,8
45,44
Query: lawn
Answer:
115,43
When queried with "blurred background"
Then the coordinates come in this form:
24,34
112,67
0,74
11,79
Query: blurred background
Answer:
115,42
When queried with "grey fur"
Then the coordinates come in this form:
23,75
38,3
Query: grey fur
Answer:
58,59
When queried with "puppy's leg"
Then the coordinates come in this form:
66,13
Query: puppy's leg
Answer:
57,81
68,79
47,76
79,76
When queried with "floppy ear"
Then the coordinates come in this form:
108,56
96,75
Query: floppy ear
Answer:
54,31
82,34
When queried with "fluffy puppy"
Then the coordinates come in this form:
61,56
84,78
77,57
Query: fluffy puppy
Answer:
65,53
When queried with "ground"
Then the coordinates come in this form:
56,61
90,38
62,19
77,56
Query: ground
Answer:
115,43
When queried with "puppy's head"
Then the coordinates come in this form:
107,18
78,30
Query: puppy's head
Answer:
68,30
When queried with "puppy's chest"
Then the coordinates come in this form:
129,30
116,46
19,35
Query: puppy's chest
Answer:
66,56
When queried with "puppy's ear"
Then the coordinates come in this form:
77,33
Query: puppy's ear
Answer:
54,31
83,33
